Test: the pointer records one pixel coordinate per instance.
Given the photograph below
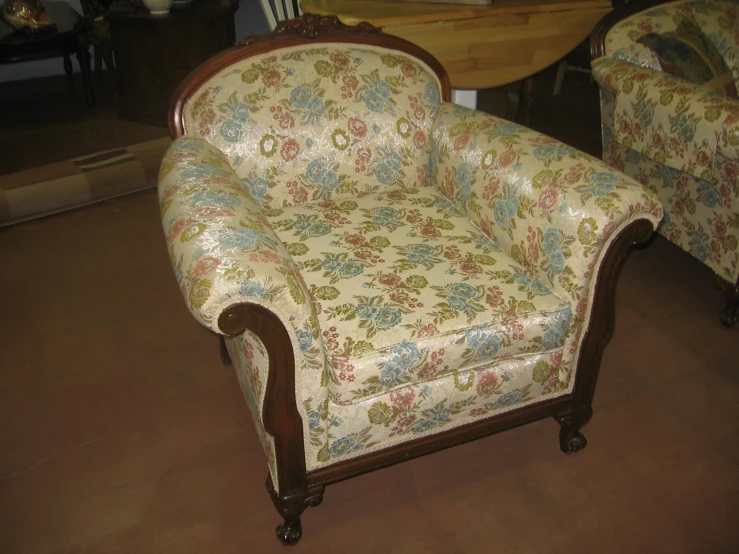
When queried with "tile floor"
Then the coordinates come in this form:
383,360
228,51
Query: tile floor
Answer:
120,431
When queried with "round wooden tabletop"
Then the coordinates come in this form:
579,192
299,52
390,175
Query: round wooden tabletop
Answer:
479,46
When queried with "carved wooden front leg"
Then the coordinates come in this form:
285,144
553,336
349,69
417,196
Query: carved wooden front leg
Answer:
571,440
291,507
597,335
280,416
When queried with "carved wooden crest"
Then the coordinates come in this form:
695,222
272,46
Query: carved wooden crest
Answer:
311,26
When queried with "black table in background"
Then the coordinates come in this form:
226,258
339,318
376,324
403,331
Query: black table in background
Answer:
154,53
69,37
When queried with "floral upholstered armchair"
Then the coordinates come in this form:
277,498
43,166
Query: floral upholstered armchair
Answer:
668,77
393,274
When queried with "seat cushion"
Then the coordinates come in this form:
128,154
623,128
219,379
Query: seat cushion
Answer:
407,289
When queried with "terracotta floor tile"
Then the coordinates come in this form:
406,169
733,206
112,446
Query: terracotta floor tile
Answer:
651,356
702,401
645,434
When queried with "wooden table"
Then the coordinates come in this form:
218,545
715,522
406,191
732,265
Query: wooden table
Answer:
479,46
69,37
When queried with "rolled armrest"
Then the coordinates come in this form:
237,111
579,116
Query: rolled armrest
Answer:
222,248
551,208
672,121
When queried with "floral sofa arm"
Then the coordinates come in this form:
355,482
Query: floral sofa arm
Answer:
550,207
672,121
221,247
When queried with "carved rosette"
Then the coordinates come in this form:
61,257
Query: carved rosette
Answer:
311,26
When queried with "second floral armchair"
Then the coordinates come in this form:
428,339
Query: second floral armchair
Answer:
393,274
668,76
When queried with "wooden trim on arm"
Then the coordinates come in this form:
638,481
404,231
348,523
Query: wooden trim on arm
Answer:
308,29
280,413
603,315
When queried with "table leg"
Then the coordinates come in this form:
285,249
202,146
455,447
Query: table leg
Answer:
519,101
83,58
466,98
70,75
528,89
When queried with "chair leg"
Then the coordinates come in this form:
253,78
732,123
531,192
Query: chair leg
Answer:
99,63
291,508
280,416
729,315
561,70
571,440
70,77
108,59
519,101
83,58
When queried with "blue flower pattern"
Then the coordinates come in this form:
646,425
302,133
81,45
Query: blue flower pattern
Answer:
384,317
708,194
404,357
257,187
463,175
460,295
551,243
376,97
484,343
244,237
554,336
344,446
420,253
305,340
699,245
506,209
318,173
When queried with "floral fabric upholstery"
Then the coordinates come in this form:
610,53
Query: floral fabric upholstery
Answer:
716,18
251,362
436,269
549,207
711,238
407,289
676,123
329,121
689,54
675,137
224,252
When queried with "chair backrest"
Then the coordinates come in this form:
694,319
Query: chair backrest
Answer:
280,10
716,18
345,113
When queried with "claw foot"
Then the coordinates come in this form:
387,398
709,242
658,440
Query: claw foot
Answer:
571,440
729,315
289,532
